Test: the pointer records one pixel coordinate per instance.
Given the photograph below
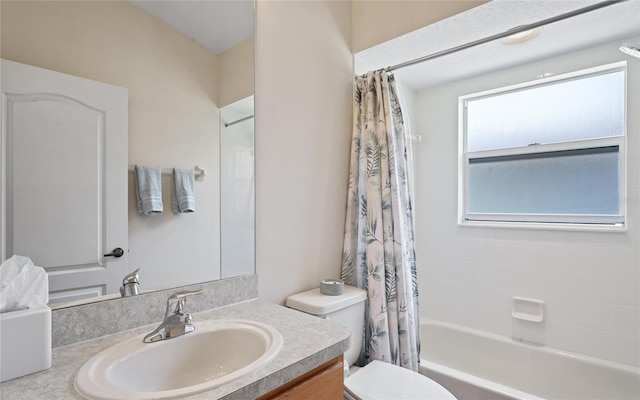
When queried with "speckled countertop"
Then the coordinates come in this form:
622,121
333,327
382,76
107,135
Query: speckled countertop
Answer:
308,343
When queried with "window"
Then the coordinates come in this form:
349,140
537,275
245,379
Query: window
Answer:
546,152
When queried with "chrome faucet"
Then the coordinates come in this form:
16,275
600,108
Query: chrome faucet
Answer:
176,321
130,284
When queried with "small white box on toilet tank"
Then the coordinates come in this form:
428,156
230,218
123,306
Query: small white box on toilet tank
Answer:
25,342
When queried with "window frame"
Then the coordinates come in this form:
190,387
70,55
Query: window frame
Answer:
543,221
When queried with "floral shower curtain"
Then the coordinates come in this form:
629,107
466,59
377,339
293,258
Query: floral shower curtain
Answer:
379,253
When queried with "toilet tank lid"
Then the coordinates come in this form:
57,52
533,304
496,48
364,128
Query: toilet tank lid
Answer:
316,303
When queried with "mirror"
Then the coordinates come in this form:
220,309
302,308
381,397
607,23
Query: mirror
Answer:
188,69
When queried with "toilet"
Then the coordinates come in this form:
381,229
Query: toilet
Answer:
378,380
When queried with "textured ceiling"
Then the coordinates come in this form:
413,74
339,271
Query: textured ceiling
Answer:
616,22
216,24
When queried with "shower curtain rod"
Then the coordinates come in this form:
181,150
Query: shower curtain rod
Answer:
510,32
228,124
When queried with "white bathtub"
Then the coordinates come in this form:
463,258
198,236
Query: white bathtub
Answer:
475,365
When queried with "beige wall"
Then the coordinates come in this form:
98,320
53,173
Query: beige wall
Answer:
173,114
304,89
236,73
303,127
376,21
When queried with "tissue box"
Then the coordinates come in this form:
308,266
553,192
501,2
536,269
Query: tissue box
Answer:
25,342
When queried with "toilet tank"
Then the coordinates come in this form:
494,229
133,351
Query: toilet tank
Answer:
346,309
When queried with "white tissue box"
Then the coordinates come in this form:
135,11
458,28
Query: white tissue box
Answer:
25,342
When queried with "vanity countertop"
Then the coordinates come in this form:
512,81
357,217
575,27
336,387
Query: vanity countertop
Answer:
308,342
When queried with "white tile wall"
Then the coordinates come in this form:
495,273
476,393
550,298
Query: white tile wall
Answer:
589,281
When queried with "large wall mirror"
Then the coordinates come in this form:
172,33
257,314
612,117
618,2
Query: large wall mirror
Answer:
188,70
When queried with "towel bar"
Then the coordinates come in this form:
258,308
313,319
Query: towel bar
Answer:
198,173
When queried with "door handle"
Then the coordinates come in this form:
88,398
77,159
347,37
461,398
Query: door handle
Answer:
117,253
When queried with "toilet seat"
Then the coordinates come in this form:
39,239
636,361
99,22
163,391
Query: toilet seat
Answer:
380,380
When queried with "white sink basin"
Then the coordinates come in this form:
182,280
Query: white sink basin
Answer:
217,352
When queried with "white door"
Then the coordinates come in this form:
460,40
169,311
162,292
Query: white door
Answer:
64,178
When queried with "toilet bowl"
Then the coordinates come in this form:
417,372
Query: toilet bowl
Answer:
377,380
380,380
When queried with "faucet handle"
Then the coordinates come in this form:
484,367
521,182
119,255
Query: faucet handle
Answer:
181,299
183,294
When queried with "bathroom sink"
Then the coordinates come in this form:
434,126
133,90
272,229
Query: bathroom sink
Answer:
216,353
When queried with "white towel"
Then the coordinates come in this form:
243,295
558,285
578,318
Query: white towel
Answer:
148,189
184,194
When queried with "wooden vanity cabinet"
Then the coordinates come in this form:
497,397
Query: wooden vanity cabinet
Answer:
325,382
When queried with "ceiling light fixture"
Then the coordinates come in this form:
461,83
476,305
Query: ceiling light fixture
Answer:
521,36
630,49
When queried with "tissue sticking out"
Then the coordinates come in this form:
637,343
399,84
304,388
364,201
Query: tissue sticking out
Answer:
23,285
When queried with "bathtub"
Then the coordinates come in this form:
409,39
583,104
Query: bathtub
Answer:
475,365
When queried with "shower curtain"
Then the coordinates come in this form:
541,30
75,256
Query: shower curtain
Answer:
379,253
